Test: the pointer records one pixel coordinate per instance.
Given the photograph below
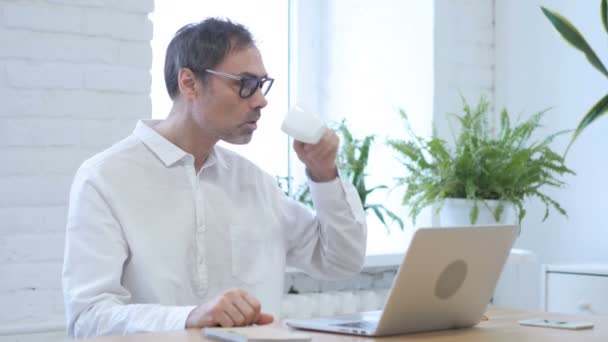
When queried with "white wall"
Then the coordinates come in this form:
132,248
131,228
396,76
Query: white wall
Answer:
536,69
74,76
464,57
464,60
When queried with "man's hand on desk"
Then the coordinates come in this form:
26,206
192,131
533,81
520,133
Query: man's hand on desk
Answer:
230,309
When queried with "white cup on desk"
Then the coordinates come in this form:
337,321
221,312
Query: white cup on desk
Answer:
303,126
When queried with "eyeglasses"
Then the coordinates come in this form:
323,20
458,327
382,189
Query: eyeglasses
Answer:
249,85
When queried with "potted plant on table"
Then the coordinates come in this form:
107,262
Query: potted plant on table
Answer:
489,171
353,158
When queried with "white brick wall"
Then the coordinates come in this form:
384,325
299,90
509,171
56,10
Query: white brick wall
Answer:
74,77
36,102
464,57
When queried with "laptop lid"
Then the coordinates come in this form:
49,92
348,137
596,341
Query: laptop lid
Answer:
445,281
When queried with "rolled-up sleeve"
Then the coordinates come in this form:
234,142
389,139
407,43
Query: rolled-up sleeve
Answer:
330,244
96,303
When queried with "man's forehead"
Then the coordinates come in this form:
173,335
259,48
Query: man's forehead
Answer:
247,61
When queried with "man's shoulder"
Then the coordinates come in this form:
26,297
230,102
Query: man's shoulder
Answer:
123,150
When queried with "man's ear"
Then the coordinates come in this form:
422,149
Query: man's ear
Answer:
186,81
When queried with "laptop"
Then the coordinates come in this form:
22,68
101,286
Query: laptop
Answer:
446,280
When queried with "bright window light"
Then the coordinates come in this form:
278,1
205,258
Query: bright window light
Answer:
378,57
345,69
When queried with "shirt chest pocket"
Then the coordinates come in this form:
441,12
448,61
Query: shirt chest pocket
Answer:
254,250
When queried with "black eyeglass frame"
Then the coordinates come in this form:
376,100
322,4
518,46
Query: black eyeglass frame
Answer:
244,79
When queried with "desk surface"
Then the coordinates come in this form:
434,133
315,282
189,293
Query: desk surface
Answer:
502,327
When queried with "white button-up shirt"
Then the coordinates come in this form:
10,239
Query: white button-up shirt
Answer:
148,238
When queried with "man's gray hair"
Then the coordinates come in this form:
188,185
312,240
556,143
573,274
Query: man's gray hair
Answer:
201,46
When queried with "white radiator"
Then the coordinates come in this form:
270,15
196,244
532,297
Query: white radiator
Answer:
308,305
519,283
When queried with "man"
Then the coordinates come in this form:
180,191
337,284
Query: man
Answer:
168,231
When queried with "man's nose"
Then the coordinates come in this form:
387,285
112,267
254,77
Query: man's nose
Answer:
259,99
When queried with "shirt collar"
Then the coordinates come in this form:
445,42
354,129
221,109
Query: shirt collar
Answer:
219,156
168,152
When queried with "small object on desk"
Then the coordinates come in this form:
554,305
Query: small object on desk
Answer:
255,333
484,318
552,323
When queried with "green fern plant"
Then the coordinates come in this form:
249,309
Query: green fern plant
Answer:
353,158
571,34
506,166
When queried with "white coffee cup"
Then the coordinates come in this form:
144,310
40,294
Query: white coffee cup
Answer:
303,126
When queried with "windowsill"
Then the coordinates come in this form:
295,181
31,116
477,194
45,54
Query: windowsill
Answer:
383,260
371,261
394,260
26,328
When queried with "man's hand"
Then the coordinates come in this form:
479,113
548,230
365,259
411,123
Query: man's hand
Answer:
230,309
320,158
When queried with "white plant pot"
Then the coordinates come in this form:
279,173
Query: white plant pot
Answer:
456,212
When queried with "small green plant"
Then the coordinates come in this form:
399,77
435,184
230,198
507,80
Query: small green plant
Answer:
352,161
302,195
505,166
571,34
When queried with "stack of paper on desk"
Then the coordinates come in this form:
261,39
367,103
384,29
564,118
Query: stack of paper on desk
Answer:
256,333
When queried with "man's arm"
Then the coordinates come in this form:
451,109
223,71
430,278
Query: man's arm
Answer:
95,251
333,243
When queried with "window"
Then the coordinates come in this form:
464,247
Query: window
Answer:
367,59
351,59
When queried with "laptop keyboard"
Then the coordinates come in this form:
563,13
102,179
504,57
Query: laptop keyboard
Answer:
358,324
